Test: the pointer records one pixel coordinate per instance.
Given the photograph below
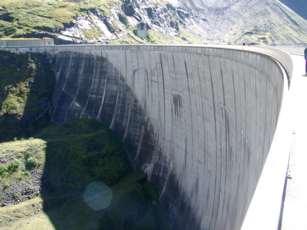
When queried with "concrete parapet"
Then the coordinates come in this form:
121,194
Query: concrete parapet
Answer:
26,42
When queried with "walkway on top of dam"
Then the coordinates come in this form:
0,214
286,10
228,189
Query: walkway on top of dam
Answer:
295,204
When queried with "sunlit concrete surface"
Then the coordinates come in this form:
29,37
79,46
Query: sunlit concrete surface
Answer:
266,204
277,204
295,206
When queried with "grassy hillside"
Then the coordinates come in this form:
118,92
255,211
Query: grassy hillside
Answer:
54,168
23,17
69,160
21,163
96,21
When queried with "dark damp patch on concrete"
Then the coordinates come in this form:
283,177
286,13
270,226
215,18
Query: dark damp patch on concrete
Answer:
177,103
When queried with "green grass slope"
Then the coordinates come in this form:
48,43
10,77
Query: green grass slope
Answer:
57,165
20,18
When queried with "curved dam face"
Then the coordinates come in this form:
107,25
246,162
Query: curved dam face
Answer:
200,121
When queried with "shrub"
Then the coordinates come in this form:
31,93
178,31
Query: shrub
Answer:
31,163
12,167
150,192
123,19
2,170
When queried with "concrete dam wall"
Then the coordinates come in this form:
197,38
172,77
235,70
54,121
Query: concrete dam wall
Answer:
198,120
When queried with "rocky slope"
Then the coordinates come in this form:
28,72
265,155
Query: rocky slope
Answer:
116,21
260,21
156,21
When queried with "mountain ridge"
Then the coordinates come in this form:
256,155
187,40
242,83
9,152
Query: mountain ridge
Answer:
156,21
298,6
256,21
